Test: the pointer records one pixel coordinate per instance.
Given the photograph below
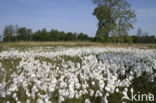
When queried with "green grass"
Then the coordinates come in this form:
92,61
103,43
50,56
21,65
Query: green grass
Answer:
24,45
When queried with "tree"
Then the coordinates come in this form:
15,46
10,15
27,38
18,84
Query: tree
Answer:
115,17
29,32
104,14
125,17
83,37
22,31
145,33
62,36
54,35
139,32
69,36
8,32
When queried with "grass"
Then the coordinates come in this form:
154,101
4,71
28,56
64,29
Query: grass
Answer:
23,45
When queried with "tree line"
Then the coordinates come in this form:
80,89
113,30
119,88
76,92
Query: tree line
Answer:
14,33
143,37
115,19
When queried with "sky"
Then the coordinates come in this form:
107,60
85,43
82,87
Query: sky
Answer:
69,15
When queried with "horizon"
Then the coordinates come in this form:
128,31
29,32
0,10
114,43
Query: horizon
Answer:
68,16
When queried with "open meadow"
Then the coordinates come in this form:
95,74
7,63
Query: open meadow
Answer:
77,72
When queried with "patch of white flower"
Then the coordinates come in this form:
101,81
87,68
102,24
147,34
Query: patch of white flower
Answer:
97,75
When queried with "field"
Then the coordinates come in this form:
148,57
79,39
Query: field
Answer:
73,72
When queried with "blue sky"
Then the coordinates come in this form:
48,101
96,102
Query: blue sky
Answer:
68,15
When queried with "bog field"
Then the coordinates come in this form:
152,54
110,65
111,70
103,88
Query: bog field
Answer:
77,73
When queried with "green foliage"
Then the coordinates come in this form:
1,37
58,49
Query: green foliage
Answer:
24,34
8,32
144,39
106,24
22,31
115,19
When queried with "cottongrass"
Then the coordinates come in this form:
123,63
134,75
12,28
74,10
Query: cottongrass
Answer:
100,73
